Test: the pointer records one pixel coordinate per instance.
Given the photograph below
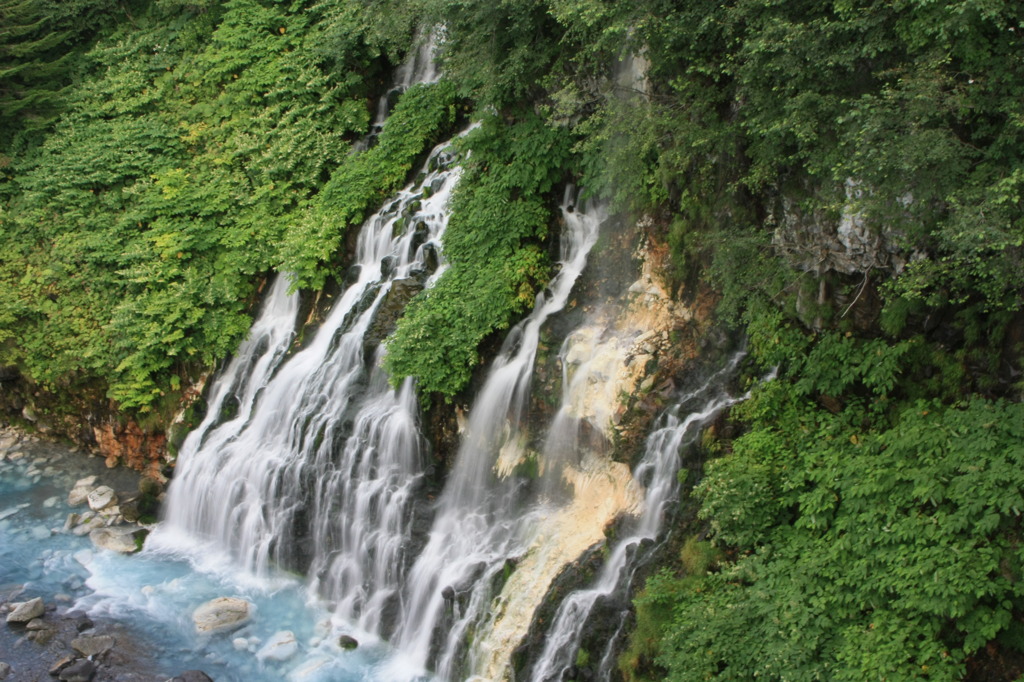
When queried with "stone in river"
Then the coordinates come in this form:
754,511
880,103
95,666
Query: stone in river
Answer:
123,539
220,614
101,498
23,612
92,645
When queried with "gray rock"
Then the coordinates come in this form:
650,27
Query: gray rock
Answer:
92,645
123,539
101,498
79,671
5,670
41,637
24,611
220,614
36,624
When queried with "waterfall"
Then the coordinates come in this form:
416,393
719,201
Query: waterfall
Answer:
319,465
657,469
480,523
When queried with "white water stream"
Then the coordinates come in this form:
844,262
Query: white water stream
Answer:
656,471
481,524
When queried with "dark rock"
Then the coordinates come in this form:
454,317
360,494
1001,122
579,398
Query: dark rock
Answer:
391,308
430,258
192,676
5,670
150,487
352,274
420,235
387,266
79,671
348,643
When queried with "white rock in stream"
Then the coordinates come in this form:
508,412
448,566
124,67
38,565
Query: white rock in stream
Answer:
280,647
222,613
101,498
80,492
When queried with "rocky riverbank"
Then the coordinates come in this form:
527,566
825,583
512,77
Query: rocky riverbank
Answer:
45,637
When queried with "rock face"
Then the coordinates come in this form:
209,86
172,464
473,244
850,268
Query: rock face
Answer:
221,614
23,612
131,445
818,242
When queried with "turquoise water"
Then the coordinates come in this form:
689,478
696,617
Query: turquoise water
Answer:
154,592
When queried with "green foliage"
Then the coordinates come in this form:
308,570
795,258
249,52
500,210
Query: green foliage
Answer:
864,544
499,211
196,138
40,43
421,118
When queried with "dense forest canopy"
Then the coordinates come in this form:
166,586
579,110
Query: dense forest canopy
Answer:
159,158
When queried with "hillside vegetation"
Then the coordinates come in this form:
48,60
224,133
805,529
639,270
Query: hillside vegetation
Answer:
848,175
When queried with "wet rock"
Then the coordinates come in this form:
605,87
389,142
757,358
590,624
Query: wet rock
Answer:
41,637
348,642
220,614
123,539
130,508
57,667
101,498
430,258
80,671
280,647
5,670
92,645
192,676
387,266
23,612
391,308
352,274
36,624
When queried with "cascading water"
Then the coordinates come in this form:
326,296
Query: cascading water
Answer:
657,469
480,523
324,453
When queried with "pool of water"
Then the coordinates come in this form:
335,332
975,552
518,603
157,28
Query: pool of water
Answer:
153,593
